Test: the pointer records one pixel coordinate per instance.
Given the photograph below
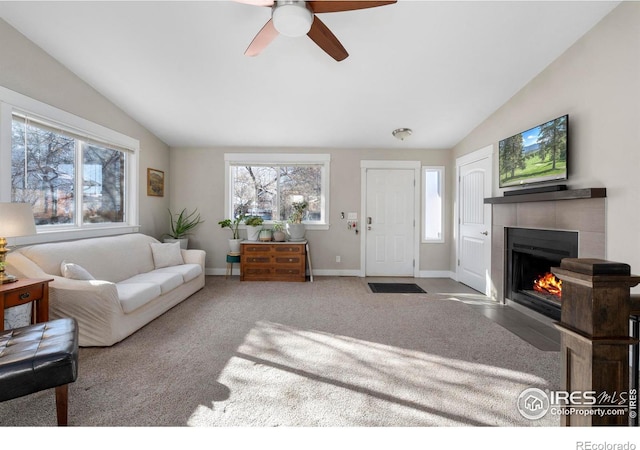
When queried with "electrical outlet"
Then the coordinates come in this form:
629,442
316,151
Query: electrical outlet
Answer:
337,259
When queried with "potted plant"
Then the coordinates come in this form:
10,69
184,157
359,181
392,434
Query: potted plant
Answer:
295,227
254,225
182,225
234,242
278,232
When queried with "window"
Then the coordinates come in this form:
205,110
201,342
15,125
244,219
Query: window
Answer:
433,204
45,163
78,176
267,185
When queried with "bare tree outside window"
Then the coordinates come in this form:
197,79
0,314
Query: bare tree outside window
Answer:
42,173
269,191
44,163
103,184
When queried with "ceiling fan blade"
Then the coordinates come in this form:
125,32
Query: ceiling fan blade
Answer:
264,37
321,35
256,2
326,6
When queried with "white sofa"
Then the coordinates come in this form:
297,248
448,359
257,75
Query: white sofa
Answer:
128,290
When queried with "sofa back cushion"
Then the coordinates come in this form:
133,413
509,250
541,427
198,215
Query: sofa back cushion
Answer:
112,258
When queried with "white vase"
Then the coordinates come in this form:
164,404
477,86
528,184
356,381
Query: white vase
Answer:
296,231
234,245
253,232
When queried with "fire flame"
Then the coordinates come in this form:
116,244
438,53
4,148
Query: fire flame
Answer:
549,284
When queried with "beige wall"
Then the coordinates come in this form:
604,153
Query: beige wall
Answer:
198,181
597,82
27,69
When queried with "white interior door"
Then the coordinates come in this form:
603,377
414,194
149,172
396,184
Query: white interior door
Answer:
389,222
474,218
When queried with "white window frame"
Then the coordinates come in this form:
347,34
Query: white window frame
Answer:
322,159
11,102
425,218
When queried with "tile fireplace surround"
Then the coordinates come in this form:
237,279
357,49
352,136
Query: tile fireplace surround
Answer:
584,215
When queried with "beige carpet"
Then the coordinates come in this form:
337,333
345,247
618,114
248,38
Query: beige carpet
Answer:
327,353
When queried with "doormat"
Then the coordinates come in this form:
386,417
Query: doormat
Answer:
396,288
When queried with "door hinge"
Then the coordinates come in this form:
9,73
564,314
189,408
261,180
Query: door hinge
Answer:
414,263
458,262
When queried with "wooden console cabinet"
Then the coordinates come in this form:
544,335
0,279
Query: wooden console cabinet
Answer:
272,261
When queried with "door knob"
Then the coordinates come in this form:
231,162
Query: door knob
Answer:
486,233
369,220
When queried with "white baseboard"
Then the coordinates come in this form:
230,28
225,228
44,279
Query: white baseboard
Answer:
437,274
342,273
211,271
335,273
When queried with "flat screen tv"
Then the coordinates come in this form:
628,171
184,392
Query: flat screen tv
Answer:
537,155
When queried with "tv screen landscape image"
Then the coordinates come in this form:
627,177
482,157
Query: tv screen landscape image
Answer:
536,155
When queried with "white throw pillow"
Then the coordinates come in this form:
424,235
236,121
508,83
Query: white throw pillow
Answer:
165,255
74,271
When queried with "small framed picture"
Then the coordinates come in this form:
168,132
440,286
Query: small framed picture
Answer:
155,182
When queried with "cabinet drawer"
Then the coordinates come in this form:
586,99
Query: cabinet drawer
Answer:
259,259
287,259
25,295
284,248
256,271
260,249
287,271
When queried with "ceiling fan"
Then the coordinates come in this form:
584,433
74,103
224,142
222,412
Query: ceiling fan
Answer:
296,18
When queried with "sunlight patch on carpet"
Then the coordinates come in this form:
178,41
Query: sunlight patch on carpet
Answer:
285,376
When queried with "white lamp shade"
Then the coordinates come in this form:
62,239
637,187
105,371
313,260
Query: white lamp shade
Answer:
292,19
16,219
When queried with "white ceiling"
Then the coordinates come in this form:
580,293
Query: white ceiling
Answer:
178,68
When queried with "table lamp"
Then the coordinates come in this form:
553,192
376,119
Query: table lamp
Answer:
16,219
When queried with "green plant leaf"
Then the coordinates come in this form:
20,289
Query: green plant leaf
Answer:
182,224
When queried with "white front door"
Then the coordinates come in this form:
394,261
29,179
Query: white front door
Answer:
474,218
389,222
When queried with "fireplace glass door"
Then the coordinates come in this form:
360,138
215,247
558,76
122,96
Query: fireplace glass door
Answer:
531,255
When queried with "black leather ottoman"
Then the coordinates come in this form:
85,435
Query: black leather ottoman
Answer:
38,357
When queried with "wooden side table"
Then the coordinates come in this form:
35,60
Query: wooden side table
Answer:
26,290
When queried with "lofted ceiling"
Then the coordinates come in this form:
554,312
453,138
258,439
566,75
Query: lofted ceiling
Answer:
178,67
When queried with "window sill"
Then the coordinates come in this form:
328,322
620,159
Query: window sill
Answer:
71,234
308,226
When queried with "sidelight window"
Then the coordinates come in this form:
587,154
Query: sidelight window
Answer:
433,204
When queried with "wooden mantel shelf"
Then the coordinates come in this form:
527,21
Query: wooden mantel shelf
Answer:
571,194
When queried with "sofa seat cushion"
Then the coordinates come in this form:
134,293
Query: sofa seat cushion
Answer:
134,295
166,281
187,271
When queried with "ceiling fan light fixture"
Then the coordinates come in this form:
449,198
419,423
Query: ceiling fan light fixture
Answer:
292,18
402,133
